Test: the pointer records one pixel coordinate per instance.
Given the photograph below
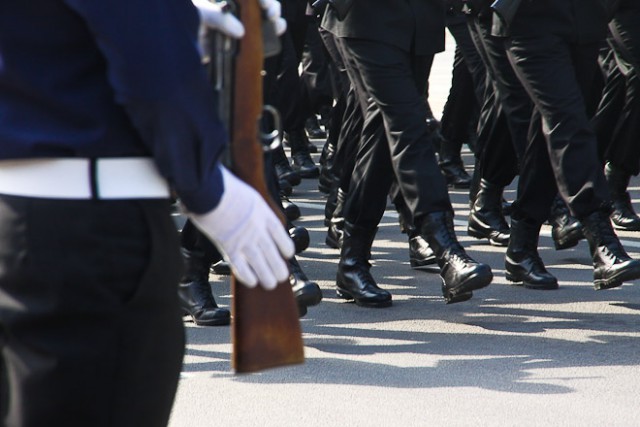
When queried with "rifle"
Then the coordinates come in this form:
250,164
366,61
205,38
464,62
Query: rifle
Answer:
265,328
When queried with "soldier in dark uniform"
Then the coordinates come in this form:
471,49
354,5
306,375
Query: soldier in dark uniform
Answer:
392,45
617,120
553,46
105,107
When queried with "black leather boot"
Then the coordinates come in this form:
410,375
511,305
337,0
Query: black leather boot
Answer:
283,167
354,281
285,187
566,230
451,164
455,174
299,235
312,126
302,161
327,179
420,253
327,154
335,221
195,295
461,275
486,220
522,261
623,216
611,264
306,292
290,209
222,268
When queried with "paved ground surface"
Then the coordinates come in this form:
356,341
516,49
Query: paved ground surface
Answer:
508,357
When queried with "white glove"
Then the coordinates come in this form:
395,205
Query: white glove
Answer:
212,16
273,10
248,233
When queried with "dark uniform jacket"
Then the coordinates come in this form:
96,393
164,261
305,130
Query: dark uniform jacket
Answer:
116,78
411,25
581,21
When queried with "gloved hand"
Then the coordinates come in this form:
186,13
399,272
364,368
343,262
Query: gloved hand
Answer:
212,16
273,10
248,233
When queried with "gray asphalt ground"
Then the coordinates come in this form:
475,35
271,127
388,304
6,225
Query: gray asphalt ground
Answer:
508,357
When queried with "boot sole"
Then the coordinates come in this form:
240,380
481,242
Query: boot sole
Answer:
309,297
479,234
314,173
214,322
529,285
375,304
459,186
616,281
465,290
624,228
423,264
332,243
325,189
568,242
293,179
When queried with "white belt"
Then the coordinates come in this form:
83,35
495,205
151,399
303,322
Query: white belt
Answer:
74,178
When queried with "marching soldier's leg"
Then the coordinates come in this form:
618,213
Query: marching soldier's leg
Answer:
397,91
194,290
557,75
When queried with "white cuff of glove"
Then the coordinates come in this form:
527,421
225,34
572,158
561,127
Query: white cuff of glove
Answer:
212,15
273,10
248,233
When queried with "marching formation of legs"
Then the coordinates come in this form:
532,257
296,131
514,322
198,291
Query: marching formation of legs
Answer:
560,113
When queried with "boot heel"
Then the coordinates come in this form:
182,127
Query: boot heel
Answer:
452,297
344,295
512,278
476,233
568,242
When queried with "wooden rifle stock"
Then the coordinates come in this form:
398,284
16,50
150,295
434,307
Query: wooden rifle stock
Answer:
265,325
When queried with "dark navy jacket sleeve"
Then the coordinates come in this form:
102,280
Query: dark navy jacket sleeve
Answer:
154,68
114,78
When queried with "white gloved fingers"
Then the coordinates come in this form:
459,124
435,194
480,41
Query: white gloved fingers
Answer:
273,11
282,240
258,262
243,272
272,8
215,18
231,26
280,25
245,228
276,263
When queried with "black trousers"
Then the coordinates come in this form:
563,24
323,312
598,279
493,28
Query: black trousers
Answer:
557,75
506,110
346,125
90,330
460,112
396,141
617,121
283,87
316,72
